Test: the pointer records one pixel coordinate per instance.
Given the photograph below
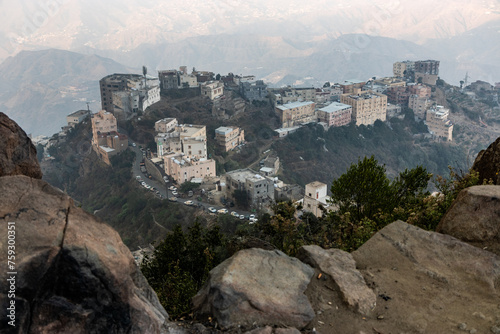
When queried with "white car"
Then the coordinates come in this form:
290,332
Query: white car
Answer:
172,188
189,203
251,217
174,193
212,210
172,199
235,214
242,217
222,211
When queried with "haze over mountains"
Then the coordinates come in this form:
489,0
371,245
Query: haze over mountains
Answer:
283,42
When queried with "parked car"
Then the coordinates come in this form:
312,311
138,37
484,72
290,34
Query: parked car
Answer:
189,203
242,217
172,188
222,211
235,214
212,210
174,193
172,199
251,217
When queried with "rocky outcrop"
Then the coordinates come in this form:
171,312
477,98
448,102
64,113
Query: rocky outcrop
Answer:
256,287
474,215
340,266
487,163
427,282
17,153
74,274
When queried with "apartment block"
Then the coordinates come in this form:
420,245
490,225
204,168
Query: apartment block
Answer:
165,125
398,95
438,123
187,139
401,69
77,117
177,79
419,105
229,137
259,188
427,66
253,90
183,169
122,94
367,107
351,86
316,196
106,141
420,90
212,89
335,114
296,113
390,82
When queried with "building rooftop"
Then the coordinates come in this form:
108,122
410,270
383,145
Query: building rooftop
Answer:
107,149
316,184
334,107
294,105
223,130
352,82
79,113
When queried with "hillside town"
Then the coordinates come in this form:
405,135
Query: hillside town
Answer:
181,149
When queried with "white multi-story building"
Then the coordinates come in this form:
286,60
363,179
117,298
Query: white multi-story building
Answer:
438,123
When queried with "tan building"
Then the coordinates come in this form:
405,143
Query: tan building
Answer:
367,107
296,113
400,69
390,82
351,86
77,117
106,141
316,196
426,78
335,114
419,105
438,123
187,139
229,137
212,89
165,125
183,169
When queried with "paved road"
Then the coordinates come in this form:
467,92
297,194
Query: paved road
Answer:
163,187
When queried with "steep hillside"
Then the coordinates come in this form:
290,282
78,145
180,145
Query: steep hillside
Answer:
39,88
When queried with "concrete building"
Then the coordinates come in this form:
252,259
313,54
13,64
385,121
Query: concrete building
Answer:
187,139
271,163
106,141
390,82
350,86
315,197
420,90
398,95
229,137
259,188
77,117
438,123
335,114
296,113
253,90
419,105
165,125
183,169
291,94
177,79
427,67
367,107
212,89
401,69
122,94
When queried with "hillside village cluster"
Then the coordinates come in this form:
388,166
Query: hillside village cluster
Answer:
182,148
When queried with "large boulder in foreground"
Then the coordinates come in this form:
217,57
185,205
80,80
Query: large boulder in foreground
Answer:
427,282
256,287
74,274
487,163
342,269
474,215
17,152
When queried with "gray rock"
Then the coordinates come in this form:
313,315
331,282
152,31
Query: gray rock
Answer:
487,163
261,330
342,268
495,330
286,331
257,287
17,152
74,274
474,215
